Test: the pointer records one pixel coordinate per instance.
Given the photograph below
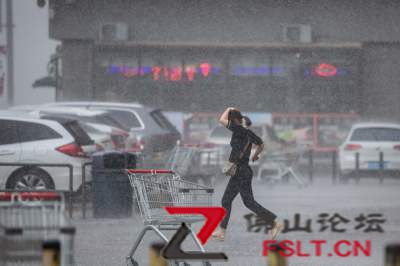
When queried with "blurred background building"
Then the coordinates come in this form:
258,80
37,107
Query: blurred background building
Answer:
269,56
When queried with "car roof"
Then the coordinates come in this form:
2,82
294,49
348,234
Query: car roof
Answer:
25,108
60,119
23,116
94,103
17,114
375,124
70,110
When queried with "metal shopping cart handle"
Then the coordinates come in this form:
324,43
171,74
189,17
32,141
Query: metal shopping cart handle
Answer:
188,190
150,171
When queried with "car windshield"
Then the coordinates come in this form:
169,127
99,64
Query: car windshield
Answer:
376,134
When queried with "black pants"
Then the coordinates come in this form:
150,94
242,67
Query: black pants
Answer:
241,183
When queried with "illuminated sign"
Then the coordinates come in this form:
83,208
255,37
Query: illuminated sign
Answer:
204,70
325,70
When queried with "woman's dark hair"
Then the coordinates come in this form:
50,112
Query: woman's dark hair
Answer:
235,114
247,121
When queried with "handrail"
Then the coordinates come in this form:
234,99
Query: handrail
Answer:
71,179
34,195
150,171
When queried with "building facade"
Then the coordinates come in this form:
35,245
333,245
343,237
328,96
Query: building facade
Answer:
260,55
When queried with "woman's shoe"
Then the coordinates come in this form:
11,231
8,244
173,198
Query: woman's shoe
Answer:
275,231
219,234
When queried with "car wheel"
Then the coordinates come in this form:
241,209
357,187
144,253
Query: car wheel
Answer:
30,179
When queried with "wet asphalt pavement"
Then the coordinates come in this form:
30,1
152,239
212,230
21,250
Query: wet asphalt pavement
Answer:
107,241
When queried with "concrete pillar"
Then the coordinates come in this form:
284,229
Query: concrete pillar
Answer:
77,69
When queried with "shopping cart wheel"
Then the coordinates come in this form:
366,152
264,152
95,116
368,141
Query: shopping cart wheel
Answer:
131,262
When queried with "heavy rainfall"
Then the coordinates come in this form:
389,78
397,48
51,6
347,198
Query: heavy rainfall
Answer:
128,125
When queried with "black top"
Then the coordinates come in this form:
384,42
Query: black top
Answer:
240,137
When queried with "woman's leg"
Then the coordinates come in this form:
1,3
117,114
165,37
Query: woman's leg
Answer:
231,191
246,192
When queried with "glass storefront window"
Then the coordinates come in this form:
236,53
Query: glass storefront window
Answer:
322,80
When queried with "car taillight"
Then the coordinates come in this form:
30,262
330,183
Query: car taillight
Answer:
352,147
396,147
71,149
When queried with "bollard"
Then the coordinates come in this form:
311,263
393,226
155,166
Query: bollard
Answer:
357,162
381,167
84,196
84,191
275,258
71,191
357,167
51,255
155,258
67,246
311,165
334,166
392,254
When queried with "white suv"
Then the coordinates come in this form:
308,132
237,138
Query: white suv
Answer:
24,139
368,141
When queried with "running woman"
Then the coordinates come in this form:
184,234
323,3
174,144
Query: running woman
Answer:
240,183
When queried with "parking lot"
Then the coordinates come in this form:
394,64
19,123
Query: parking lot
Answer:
107,241
114,110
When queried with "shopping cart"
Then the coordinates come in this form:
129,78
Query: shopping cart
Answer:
180,159
197,163
278,166
156,189
28,220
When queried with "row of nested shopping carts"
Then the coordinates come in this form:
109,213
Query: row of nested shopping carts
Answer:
34,230
156,189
